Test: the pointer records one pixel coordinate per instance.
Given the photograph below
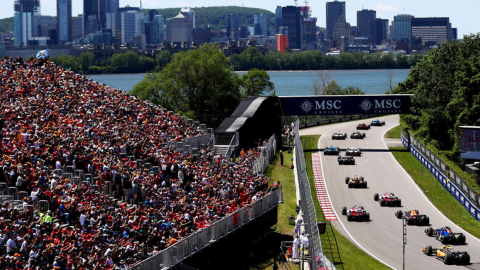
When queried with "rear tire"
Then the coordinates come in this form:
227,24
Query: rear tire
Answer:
349,217
447,259
367,216
426,221
443,239
382,202
344,210
365,184
399,214
375,197
461,239
429,231
428,250
465,258
350,185
399,202
347,179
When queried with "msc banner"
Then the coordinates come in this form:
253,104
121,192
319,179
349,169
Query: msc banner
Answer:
346,105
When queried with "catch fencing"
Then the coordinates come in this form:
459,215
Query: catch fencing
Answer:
267,153
449,179
181,250
318,260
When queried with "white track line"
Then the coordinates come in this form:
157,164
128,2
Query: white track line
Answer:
339,220
421,191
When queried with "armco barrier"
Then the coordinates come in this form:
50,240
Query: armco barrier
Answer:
446,182
311,124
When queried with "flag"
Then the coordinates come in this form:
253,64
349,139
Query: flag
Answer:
42,54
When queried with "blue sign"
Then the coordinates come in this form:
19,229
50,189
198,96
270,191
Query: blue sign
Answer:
346,105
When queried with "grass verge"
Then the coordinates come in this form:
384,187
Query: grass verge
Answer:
394,133
337,248
435,192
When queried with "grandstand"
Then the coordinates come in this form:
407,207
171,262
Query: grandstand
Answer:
93,178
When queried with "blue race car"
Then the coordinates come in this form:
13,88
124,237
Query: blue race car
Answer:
446,236
377,123
331,151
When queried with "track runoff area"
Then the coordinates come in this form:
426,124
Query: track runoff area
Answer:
382,235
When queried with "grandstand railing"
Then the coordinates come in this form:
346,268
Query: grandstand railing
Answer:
181,250
451,181
317,260
267,153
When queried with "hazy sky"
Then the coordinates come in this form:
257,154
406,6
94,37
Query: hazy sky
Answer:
464,14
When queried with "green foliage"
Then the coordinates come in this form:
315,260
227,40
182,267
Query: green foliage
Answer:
85,60
256,82
6,25
66,61
334,89
162,59
199,82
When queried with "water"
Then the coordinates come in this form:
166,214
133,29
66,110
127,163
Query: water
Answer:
294,83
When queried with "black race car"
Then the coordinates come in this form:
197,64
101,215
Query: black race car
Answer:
356,182
339,136
413,217
356,213
331,151
363,126
446,236
357,135
346,160
377,123
354,152
387,199
448,255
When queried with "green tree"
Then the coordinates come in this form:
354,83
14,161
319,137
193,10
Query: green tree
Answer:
86,59
67,61
256,82
162,59
200,83
334,89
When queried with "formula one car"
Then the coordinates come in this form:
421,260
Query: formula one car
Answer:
356,182
377,123
356,213
413,217
387,199
331,151
363,127
357,135
346,160
448,255
446,236
354,152
339,136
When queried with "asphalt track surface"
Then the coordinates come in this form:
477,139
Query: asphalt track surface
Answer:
382,236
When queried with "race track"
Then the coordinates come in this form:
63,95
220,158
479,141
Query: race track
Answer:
382,236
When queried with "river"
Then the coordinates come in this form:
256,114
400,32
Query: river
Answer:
294,83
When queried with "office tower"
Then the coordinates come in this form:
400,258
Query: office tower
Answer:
111,22
282,42
148,32
25,26
158,34
335,9
179,29
201,34
366,23
132,25
278,19
118,16
189,14
428,32
64,21
454,33
381,31
391,34
95,14
308,29
233,26
340,29
260,25
77,27
291,20
402,27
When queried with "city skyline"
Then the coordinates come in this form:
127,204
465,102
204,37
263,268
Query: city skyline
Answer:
465,17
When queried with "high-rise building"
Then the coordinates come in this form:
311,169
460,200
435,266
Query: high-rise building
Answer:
25,26
233,26
335,9
454,33
95,14
291,19
381,31
260,24
202,34
77,27
278,19
428,32
151,14
366,23
282,43
158,34
64,21
118,15
340,29
189,14
132,25
391,33
179,29
148,32
402,27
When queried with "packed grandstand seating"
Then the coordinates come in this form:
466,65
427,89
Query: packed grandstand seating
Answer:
55,123
470,140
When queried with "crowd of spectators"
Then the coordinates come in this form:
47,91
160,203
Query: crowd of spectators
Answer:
52,118
470,140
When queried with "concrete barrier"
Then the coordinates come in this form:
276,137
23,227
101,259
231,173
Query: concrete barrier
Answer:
311,124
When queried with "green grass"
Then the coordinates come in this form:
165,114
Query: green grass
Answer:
337,248
394,133
435,192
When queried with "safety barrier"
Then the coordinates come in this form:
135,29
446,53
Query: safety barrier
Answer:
318,260
108,186
3,189
267,153
22,194
448,178
332,119
12,191
43,205
174,254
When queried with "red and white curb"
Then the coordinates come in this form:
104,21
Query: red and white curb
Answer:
322,195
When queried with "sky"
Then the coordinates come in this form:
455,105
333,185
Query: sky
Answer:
464,14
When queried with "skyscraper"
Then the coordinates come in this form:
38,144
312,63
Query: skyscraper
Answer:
24,20
64,21
335,9
179,29
95,14
341,29
366,23
233,26
402,27
158,35
260,24
381,31
132,25
189,14
278,19
291,19
428,32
